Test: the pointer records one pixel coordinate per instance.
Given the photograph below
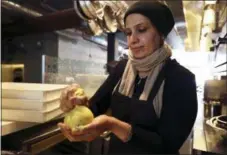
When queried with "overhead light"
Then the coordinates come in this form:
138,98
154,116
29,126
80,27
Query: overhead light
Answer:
180,24
205,44
120,48
206,30
184,10
210,2
209,18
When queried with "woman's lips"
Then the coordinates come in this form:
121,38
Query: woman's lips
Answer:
137,49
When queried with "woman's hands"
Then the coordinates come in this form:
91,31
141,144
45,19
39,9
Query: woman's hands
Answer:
68,100
97,127
91,131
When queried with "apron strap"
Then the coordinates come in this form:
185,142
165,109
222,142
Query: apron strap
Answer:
156,87
158,82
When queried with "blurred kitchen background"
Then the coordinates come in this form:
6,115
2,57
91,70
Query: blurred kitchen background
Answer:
63,42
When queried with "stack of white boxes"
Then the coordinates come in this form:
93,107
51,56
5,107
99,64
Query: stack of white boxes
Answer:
31,102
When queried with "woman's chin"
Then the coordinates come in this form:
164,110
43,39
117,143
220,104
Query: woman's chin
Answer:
139,56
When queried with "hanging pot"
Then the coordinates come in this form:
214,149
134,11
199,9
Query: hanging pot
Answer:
79,11
95,28
95,8
120,21
103,26
123,5
120,15
84,8
92,9
222,121
115,7
110,21
215,134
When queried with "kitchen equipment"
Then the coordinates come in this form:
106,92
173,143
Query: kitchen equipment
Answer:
119,9
115,7
8,127
103,26
85,10
120,21
214,98
216,136
224,103
95,27
218,131
36,91
30,115
35,139
107,15
207,110
79,11
215,108
123,5
26,104
92,9
212,108
110,21
12,72
222,121
7,152
213,89
95,8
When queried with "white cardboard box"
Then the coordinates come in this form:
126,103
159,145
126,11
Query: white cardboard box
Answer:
26,104
33,91
30,115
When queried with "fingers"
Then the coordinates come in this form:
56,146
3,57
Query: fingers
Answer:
78,100
75,85
65,103
90,128
62,101
81,136
66,131
84,137
64,108
71,92
75,136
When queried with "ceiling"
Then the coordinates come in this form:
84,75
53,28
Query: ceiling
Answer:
188,18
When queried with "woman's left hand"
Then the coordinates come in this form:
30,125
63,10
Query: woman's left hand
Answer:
93,130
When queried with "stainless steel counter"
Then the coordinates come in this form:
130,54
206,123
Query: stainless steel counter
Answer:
34,139
205,141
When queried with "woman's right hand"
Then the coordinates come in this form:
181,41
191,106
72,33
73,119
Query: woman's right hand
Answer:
68,100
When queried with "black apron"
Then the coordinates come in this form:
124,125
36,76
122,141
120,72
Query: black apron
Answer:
134,110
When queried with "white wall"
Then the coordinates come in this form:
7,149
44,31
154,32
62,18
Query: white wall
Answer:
80,50
87,57
200,63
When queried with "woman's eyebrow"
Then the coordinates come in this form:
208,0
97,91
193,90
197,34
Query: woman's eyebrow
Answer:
136,25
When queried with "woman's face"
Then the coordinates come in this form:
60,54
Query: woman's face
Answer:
142,37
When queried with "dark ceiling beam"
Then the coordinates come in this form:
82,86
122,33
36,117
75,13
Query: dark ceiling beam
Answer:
51,22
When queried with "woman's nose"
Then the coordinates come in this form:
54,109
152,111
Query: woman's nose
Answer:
133,38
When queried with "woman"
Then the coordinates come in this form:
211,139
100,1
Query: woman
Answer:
152,98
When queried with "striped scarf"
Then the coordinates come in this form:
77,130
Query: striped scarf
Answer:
148,67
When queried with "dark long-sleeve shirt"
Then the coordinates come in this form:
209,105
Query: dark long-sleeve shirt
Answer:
178,113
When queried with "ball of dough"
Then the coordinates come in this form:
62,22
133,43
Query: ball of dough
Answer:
78,117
